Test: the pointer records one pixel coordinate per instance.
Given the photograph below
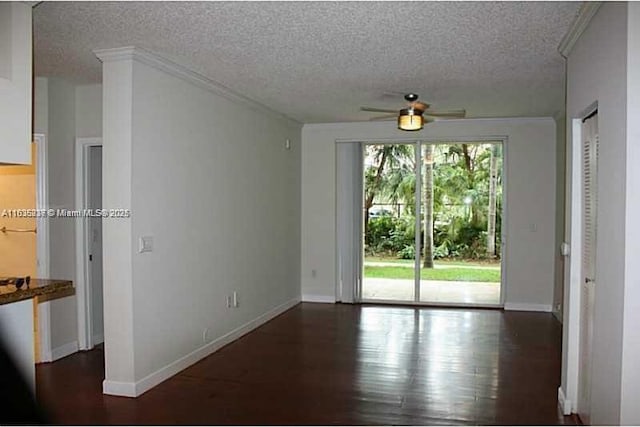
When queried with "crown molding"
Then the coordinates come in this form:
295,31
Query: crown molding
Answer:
579,24
180,71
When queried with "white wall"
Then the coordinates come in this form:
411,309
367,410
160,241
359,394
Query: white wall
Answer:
211,181
561,147
88,111
597,72
60,140
530,199
630,392
41,105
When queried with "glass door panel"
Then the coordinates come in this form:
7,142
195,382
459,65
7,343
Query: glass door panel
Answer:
460,223
389,222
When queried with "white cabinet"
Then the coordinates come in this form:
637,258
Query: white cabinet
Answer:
15,82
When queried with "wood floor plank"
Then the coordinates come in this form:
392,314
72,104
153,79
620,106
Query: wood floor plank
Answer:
342,364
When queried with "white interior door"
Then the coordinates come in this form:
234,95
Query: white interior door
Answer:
587,290
95,244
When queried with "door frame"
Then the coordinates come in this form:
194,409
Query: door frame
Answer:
83,267
42,244
417,143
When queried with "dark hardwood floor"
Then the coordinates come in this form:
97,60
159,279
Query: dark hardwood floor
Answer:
342,364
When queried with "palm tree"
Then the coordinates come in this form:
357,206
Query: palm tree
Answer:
387,174
491,221
428,206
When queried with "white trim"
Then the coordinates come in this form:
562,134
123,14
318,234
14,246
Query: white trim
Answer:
136,389
118,388
417,233
504,239
327,299
180,71
517,306
83,292
426,304
579,24
563,403
42,244
64,350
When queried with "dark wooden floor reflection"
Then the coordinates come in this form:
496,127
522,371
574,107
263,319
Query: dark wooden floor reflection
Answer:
342,364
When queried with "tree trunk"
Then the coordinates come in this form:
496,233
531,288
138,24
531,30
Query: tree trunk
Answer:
368,203
491,223
469,166
428,206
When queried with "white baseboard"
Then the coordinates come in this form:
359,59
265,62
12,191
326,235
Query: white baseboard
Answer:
97,339
64,350
117,388
129,389
563,403
45,356
516,306
318,298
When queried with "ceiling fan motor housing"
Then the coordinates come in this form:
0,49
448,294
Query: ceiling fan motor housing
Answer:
411,97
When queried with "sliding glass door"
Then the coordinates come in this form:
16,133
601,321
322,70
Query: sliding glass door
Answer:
432,217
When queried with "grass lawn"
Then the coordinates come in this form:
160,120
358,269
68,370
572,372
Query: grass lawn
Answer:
453,274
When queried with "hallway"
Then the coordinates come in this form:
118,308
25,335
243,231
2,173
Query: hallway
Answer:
342,364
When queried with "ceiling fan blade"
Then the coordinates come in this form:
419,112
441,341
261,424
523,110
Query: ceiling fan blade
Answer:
449,113
385,117
378,110
419,105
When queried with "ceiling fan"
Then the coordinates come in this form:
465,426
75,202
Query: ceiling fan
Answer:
415,114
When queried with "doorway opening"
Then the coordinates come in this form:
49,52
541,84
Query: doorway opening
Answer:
89,242
432,222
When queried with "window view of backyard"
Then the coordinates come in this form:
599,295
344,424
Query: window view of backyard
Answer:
459,215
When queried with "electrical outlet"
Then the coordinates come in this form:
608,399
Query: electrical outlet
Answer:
235,299
228,302
205,335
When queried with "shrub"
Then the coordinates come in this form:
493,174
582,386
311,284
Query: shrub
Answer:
408,252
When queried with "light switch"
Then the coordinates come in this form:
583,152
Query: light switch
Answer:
145,244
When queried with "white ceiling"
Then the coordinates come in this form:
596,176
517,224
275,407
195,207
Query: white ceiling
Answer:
320,61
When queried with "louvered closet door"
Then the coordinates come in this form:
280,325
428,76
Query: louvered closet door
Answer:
589,209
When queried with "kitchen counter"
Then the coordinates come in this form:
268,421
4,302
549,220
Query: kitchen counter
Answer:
44,289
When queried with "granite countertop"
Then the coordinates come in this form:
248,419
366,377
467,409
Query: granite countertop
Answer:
45,288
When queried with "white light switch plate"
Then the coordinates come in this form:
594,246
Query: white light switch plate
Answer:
145,244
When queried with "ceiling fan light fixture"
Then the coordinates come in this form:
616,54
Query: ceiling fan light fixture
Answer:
410,119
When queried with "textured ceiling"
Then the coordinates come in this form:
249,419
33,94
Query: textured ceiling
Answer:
320,61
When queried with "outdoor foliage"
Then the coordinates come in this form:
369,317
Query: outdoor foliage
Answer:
462,198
